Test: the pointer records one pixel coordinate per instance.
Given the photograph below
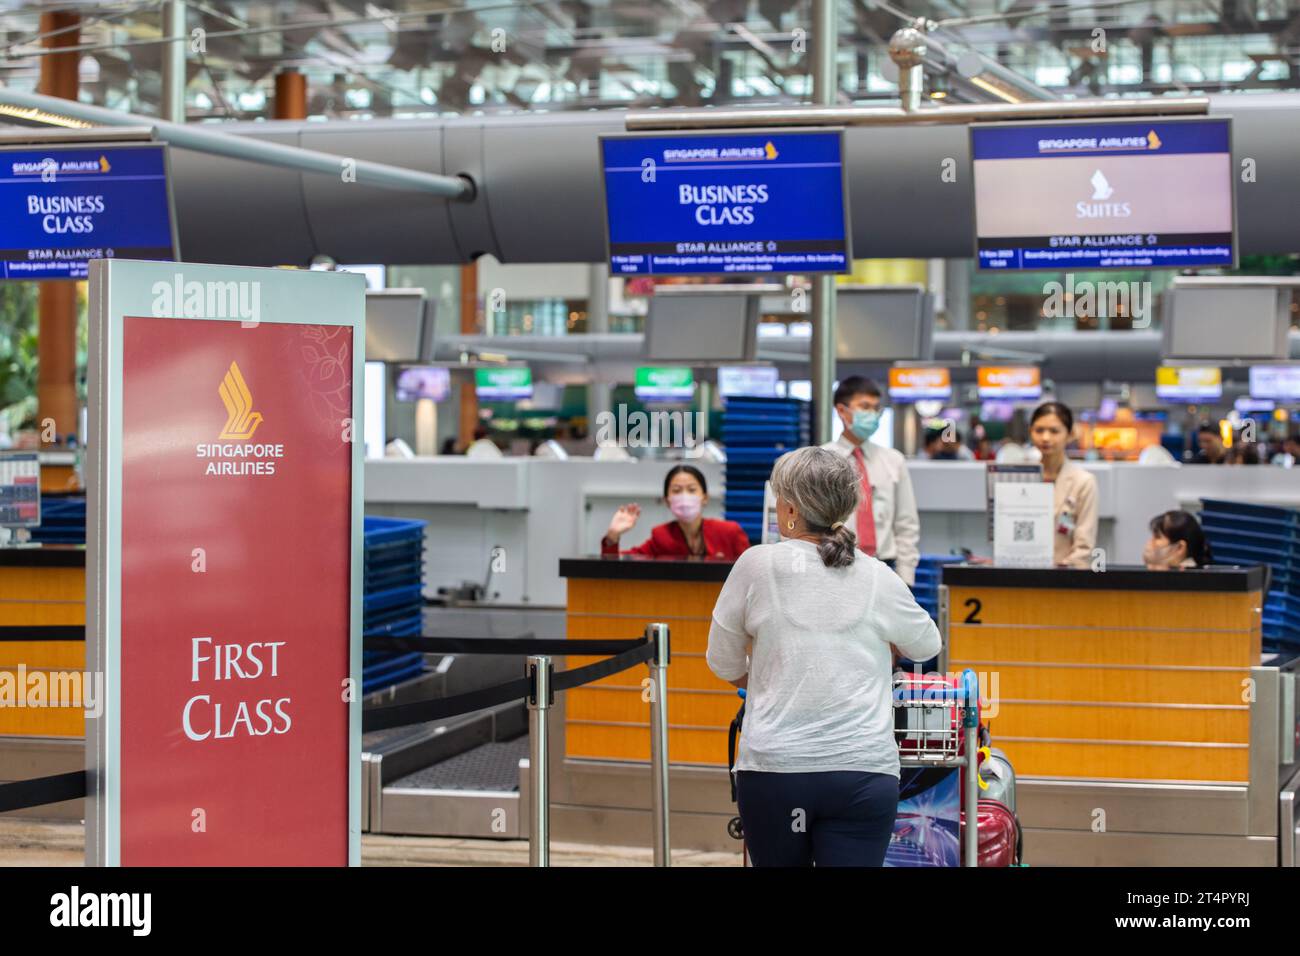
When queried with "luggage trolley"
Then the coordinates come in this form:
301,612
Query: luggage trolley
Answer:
931,724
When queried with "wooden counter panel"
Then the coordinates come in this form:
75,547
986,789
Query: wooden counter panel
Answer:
685,672
1116,722
696,708
1122,643
647,600
65,655
1106,761
700,706
1110,683
615,742
684,635
36,596
43,584
42,721
1179,610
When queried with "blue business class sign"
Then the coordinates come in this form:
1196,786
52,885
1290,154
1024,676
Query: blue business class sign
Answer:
726,203
60,207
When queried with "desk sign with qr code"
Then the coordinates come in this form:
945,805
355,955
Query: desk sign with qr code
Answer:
1022,525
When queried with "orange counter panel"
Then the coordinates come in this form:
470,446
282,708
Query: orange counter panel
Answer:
1097,684
608,719
33,597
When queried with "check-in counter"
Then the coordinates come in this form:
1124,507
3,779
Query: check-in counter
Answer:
1134,706
42,647
601,787
611,598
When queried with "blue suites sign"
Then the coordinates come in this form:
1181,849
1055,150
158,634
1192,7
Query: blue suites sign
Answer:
726,203
62,206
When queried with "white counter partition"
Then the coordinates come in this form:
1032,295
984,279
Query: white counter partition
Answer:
951,497
535,510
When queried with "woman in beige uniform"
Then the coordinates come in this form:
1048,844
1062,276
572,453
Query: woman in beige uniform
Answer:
1075,505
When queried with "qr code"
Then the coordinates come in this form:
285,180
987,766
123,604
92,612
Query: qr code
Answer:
1022,531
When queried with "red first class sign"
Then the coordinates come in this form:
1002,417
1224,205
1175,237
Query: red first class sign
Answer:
236,555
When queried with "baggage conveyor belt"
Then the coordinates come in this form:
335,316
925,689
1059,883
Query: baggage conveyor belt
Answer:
459,776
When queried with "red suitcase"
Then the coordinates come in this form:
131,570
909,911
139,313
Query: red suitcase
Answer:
999,834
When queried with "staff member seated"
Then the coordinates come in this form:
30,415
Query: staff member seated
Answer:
886,523
806,626
691,535
1177,542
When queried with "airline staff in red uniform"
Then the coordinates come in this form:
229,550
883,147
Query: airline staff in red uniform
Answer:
691,535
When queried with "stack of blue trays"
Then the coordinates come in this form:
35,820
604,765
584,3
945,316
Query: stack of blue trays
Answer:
757,431
63,520
393,599
1261,534
929,575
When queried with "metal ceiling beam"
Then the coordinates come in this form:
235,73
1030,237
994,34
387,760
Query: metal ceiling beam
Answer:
205,140
713,118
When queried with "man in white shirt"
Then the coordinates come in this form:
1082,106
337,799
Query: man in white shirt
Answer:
886,522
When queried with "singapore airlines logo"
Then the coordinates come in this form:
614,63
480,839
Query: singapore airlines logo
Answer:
241,420
769,150
1101,189
1153,141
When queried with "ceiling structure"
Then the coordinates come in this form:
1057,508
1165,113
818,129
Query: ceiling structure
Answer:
420,58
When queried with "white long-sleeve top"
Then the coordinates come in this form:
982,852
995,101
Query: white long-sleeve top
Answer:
893,505
815,643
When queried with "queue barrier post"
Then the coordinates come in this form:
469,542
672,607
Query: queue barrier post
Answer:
657,634
539,707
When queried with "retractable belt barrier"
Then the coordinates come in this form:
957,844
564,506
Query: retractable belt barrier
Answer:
633,652
39,791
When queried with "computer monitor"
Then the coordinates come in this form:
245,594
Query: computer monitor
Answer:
395,325
708,324
1280,383
733,202
503,384
1104,194
918,384
64,205
1188,383
883,324
1021,382
423,381
747,381
672,384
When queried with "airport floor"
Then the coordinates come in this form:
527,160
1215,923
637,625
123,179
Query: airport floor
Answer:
38,843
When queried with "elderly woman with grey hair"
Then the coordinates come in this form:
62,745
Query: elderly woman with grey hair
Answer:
806,626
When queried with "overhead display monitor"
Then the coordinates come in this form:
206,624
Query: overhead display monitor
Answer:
503,384
1010,381
1194,309
669,384
423,381
884,324
748,381
1104,195
1188,383
918,384
396,325
61,206
1280,383
703,324
726,203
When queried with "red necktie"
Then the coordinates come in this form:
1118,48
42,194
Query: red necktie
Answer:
866,517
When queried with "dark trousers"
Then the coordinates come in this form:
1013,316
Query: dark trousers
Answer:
835,818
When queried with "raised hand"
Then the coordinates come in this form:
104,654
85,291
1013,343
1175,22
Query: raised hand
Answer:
624,519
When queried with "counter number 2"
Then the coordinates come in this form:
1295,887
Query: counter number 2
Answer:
973,607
